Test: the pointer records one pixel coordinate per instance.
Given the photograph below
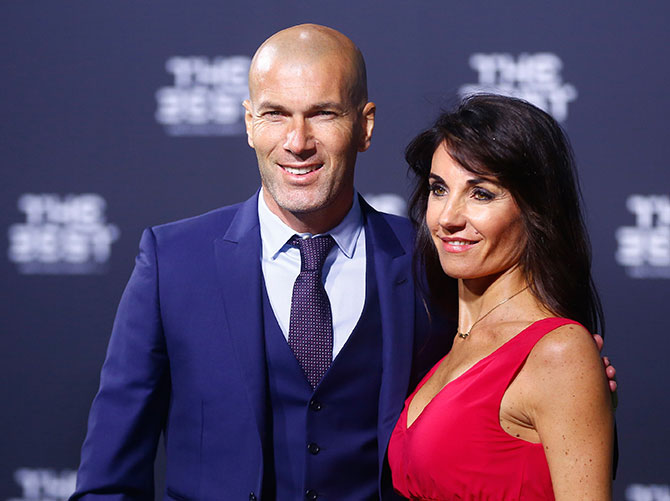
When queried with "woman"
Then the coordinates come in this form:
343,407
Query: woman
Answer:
520,407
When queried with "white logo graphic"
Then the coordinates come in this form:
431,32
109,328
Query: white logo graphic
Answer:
206,96
640,492
535,78
39,484
62,235
644,249
387,202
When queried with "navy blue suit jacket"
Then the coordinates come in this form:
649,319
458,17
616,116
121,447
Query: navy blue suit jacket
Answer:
186,356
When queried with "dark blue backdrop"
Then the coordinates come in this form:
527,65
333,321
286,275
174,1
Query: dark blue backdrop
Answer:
119,115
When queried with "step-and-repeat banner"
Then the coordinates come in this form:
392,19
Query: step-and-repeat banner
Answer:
120,115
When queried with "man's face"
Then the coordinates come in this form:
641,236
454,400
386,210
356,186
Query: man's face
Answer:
306,131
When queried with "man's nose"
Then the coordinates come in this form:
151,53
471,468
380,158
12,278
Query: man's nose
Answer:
299,137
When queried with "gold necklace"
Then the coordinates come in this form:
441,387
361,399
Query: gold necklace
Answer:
464,335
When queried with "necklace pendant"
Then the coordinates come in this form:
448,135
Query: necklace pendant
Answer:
463,335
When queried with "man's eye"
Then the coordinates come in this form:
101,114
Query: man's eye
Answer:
326,113
437,189
272,114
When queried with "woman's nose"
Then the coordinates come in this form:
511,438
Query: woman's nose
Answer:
452,215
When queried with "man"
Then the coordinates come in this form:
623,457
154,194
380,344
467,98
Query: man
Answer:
221,343
199,346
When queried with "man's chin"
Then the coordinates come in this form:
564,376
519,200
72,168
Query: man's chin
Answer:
303,209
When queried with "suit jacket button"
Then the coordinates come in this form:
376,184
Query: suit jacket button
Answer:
313,448
252,496
315,405
311,495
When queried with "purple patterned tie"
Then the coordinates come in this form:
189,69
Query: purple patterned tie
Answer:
310,332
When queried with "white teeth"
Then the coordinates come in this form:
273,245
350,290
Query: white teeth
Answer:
458,242
301,170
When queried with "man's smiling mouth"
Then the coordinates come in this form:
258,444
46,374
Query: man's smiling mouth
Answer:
300,171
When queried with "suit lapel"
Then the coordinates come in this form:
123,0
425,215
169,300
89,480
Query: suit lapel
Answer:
239,268
396,297
240,275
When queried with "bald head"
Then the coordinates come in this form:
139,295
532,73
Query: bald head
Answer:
310,45
307,118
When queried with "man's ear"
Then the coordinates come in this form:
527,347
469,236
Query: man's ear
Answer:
248,121
368,125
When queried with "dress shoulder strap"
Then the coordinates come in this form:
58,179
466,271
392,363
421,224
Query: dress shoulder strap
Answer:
528,338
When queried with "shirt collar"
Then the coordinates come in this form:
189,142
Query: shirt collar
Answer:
275,233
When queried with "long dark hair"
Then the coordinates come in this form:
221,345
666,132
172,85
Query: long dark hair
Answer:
526,151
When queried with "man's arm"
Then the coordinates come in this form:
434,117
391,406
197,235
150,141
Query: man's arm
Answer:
129,411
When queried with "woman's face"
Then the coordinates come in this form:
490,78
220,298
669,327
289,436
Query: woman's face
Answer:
475,223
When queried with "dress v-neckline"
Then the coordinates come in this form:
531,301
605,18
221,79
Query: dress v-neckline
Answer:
460,376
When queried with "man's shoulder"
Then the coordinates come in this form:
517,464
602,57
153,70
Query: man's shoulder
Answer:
399,223
209,218
209,225
382,221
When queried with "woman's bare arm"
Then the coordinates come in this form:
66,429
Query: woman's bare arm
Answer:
570,406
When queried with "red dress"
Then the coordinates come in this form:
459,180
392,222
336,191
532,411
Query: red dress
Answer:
456,448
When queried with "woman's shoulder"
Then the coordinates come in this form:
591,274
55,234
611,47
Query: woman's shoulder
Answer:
566,355
565,343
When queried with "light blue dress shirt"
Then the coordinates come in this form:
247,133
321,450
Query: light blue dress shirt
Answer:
344,269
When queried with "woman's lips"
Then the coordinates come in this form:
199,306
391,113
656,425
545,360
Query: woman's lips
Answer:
457,245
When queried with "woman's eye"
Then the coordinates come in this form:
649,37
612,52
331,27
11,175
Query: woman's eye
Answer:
437,189
482,194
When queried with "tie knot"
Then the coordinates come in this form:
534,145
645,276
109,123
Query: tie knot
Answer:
313,251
